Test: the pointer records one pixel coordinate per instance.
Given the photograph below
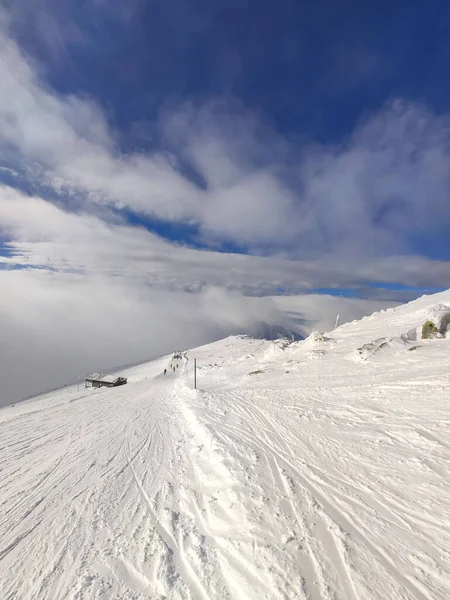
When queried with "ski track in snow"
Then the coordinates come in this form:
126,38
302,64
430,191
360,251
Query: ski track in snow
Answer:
315,477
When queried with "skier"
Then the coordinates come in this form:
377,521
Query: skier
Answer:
165,371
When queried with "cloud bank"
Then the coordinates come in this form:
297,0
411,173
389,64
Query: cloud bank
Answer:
56,328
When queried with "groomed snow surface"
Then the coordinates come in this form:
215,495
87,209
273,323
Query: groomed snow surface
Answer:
317,469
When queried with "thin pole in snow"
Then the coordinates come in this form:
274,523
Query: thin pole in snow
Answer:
337,322
195,373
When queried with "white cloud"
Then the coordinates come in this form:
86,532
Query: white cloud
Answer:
388,182
47,236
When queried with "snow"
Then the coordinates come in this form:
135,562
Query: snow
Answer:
297,470
440,316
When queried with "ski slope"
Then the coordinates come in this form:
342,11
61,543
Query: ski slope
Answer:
316,470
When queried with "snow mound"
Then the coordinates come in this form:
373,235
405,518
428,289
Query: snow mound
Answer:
315,345
439,316
317,340
314,338
381,345
274,351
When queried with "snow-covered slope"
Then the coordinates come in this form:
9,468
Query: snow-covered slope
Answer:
316,469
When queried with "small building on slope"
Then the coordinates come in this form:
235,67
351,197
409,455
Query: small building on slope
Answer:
101,380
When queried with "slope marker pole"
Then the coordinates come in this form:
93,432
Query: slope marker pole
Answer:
195,373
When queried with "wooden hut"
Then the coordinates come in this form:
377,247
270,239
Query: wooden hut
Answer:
101,380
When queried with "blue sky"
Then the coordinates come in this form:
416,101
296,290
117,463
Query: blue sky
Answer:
313,69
